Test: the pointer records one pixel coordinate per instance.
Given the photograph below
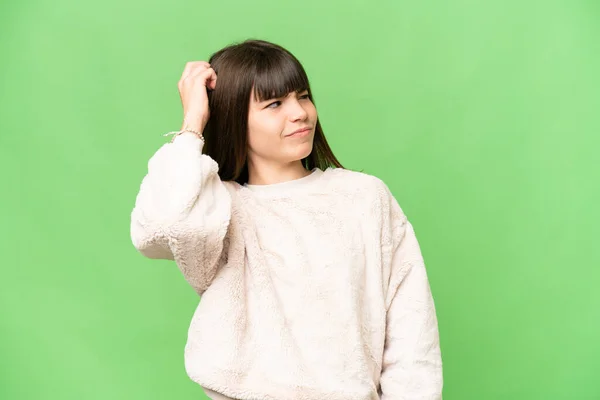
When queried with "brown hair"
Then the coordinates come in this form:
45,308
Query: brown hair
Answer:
273,72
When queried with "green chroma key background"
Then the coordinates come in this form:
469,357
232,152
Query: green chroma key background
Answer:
482,117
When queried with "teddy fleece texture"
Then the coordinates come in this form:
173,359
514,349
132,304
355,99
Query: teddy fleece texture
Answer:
311,289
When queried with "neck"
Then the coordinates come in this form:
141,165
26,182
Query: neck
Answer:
263,172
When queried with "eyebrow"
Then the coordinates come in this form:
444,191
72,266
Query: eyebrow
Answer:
272,98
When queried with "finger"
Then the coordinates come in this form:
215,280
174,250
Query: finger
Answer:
211,81
192,66
186,70
207,77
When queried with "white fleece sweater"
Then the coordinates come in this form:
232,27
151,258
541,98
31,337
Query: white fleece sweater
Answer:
312,289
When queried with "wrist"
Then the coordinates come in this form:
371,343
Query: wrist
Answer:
185,132
196,123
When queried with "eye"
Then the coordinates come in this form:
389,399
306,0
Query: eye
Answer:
275,102
278,102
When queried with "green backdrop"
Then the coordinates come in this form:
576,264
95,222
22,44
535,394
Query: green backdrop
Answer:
482,117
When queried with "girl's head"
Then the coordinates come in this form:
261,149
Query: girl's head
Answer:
262,96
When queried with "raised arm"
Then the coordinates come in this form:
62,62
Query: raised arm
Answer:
182,210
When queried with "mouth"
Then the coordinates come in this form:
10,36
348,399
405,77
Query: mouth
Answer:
300,132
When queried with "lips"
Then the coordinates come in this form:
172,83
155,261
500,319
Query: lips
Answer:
301,131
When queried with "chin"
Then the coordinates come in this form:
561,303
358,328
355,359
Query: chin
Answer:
300,151
304,150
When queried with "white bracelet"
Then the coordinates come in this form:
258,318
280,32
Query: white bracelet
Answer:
177,133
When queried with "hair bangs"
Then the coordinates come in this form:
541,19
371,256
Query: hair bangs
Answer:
278,76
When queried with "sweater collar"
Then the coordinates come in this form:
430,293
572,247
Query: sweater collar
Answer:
285,187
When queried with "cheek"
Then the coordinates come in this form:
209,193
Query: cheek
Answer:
312,113
313,109
264,135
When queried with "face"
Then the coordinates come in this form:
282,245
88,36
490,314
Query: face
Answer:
271,127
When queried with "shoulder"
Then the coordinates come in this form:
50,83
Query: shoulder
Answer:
363,187
349,177
356,181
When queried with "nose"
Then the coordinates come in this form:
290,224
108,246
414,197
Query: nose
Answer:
297,111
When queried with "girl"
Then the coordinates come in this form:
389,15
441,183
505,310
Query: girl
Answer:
312,281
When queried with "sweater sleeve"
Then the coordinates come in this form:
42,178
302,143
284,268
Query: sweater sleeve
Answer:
412,363
182,210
